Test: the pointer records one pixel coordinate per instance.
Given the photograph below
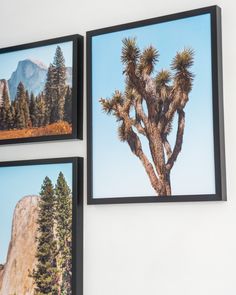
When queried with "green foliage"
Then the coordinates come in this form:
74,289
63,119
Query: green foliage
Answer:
21,104
46,273
40,110
53,272
148,59
52,105
68,105
50,95
59,83
5,111
63,232
33,111
130,51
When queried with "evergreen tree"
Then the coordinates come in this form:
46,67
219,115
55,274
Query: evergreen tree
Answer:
11,117
60,83
68,105
27,110
19,122
64,232
40,111
45,274
27,98
50,95
5,108
33,110
22,108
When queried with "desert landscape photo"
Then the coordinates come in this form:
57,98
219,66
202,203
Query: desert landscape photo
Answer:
152,110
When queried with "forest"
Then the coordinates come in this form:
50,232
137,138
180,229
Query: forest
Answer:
53,271
52,105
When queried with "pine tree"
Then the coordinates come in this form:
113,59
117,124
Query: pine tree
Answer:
64,232
45,274
40,104
27,110
68,105
5,109
33,110
26,114
11,117
50,95
22,119
60,82
19,122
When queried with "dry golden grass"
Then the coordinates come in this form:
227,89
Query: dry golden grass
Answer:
58,128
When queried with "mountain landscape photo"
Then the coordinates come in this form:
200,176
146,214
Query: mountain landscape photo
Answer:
38,258
36,93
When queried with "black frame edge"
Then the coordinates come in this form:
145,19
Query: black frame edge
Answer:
218,115
77,222
77,88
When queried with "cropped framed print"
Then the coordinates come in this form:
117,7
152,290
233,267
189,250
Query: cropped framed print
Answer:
155,110
41,218
41,91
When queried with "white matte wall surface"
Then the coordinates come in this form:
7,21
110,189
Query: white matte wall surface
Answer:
140,249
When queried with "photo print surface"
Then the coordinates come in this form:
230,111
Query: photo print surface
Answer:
36,229
151,94
37,91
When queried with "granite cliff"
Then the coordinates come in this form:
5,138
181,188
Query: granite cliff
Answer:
14,274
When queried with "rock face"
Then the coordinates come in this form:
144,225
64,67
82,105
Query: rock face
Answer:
3,82
31,73
14,278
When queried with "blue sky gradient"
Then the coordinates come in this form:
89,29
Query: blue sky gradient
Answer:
116,171
45,54
17,182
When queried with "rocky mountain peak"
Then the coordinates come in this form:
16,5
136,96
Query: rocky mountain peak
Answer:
31,74
14,274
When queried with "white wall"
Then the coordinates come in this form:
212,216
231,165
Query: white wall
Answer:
137,249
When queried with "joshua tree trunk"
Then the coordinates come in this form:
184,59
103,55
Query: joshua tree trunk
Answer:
161,100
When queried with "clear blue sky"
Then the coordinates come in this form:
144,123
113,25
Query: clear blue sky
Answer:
116,171
45,54
17,182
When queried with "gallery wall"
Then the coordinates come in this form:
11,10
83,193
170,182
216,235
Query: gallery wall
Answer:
136,249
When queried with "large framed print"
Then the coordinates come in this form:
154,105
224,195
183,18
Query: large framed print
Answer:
41,218
155,110
41,91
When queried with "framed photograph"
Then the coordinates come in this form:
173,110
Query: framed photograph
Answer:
41,91
155,110
41,219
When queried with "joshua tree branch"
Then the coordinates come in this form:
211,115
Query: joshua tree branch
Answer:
136,147
167,147
140,112
179,140
140,128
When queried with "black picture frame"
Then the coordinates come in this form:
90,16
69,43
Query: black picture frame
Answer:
217,109
77,214
77,87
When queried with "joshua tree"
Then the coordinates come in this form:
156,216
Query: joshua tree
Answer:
147,108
